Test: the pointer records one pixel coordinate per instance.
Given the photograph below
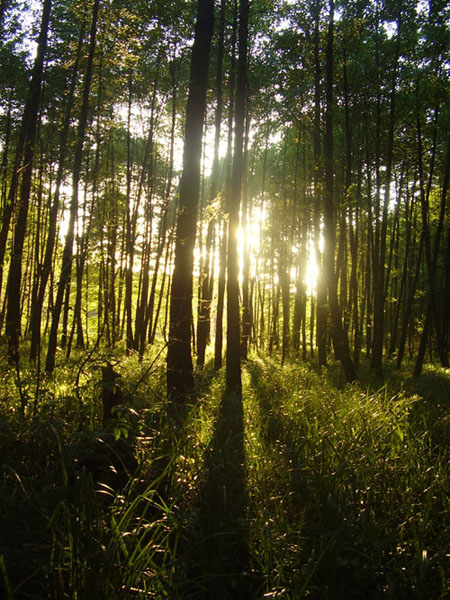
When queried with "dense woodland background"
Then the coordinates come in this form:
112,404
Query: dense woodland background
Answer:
225,298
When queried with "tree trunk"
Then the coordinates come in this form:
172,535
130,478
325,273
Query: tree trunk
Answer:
205,286
409,207
180,380
379,281
321,304
163,228
340,338
233,363
29,128
246,303
218,342
431,254
36,309
66,267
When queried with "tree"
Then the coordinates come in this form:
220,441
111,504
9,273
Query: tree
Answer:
25,165
66,266
205,285
179,358
340,338
44,271
233,362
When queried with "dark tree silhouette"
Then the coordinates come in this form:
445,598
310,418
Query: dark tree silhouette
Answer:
179,357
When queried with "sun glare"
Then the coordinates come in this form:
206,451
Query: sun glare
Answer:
311,271
249,237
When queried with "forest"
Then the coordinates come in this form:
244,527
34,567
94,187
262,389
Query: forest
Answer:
224,299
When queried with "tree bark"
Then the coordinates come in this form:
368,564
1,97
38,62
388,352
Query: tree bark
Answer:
36,309
379,280
180,382
66,267
321,304
205,286
431,255
30,119
221,284
246,301
339,335
233,362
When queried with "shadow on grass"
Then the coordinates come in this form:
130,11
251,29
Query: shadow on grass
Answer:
433,385
172,432
216,554
318,548
432,412
268,401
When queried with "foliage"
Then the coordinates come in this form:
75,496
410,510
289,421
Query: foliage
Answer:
309,487
348,490
343,489
81,512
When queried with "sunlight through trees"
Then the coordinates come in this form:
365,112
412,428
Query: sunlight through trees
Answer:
224,298
109,121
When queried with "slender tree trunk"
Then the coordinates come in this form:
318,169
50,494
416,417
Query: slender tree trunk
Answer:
379,264
167,259
179,358
431,255
66,267
321,304
261,285
29,125
141,319
129,240
221,284
339,335
406,320
36,309
284,265
446,300
205,286
218,341
233,363
162,237
245,211
409,208
274,314
5,156
298,238
142,304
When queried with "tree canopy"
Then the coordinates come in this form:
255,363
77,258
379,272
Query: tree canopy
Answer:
342,223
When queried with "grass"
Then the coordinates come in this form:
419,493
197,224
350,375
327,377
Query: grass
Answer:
306,489
359,495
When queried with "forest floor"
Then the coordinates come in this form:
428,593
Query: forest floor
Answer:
307,488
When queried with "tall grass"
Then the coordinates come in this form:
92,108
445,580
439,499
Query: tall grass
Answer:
323,491
349,498
82,515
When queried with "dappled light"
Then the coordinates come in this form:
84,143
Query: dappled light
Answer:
224,299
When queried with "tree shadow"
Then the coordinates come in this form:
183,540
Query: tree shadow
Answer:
312,542
269,404
431,411
216,554
171,432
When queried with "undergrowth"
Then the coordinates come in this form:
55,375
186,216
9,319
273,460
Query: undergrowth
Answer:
308,489
81,509
349,492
